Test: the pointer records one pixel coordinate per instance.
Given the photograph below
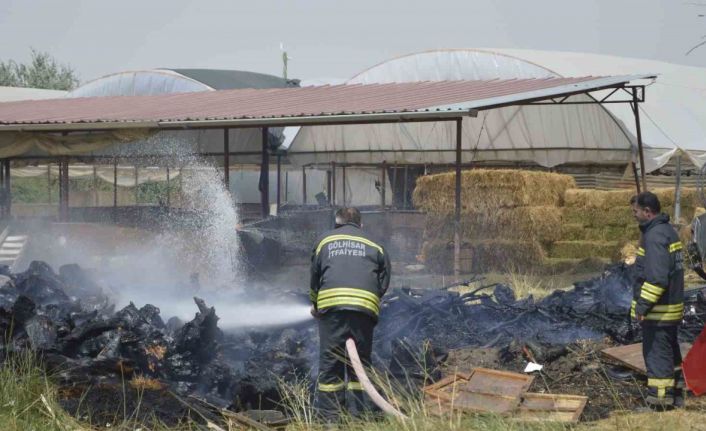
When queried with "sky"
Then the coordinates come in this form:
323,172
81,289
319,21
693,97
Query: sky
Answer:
335,39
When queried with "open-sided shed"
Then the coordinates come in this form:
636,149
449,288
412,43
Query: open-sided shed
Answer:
64,127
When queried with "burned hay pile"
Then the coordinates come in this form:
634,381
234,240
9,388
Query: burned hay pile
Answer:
172,369
93,351
509,218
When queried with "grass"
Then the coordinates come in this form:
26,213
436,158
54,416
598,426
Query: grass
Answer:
28,400
525,284
298,402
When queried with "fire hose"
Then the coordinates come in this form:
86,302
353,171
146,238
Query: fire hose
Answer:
367,384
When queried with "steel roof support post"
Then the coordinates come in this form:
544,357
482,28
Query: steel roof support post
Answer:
62,190
333,184
382,186
457,209
343,184
304,185
8,189
279,181
636,111
49,183
169,190
677,190
226,159
95,186
115,190
637,178
264,185
3,203
404,187
394,184
137,185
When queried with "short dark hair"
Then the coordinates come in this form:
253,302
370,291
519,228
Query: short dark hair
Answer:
648,200
633,200
348,215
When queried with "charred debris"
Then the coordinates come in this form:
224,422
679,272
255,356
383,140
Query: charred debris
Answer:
90,347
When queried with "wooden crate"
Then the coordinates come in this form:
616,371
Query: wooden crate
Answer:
551,408
483,390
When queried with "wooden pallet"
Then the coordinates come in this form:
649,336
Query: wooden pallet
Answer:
551,408
630,355
482,390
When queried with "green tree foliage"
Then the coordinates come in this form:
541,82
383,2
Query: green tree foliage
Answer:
43,71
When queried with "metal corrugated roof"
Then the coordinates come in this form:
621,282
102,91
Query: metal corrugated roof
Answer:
296,106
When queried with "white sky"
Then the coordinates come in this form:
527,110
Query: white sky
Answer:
335,39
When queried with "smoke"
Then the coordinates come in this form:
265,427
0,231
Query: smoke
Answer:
193,256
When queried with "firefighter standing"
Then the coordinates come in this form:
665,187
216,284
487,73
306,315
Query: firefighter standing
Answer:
658,302
349,275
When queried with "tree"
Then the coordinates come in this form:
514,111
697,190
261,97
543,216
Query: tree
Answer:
43,71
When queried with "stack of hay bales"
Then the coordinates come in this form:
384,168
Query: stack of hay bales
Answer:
529,221
597,223
510,218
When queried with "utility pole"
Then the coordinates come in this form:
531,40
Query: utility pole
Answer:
285,60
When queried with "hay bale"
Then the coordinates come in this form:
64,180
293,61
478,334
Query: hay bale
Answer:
606,199
524,223
584,249
595,217
601,199
483,256
507,255
689,197
579,232
487,189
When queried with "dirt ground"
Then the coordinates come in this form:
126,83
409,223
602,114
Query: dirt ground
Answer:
579,371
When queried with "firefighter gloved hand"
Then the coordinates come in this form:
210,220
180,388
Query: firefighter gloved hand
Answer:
314,312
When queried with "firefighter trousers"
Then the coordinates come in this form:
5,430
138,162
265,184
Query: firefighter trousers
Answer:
660,348
337,383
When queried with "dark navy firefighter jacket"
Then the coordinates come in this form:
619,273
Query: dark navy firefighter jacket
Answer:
349,271
658,294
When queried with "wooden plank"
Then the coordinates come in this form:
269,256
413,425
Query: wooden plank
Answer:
484,390
630,355
551,408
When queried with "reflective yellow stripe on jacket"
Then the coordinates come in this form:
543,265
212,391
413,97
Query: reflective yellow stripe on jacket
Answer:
662,313
342,296
675,246
331,238
651,292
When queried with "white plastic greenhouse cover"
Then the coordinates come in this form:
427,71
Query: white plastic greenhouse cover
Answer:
546,135
674,112
12,94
